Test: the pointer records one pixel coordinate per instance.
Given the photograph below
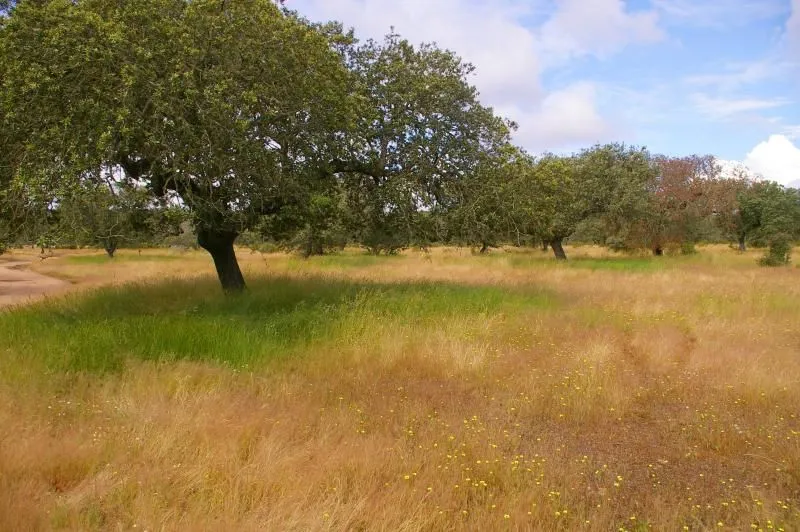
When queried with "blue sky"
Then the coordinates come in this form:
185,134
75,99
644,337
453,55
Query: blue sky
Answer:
678,76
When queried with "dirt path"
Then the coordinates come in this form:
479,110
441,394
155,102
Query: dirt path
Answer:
20,285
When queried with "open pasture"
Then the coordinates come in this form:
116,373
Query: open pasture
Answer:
417,392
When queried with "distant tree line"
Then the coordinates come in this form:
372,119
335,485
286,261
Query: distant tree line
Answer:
121,120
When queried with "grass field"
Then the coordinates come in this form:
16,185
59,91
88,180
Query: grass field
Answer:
432,391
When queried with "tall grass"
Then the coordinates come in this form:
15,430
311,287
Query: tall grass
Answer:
440,392
276,318
120,257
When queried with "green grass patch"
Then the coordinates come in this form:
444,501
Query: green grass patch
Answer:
616,264
105,259
275,319
622,264
344,261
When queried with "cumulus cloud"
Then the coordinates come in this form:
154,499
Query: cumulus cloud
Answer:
489,35
566,118
600,28
777,159
511,52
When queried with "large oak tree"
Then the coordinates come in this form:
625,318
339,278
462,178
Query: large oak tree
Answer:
241,111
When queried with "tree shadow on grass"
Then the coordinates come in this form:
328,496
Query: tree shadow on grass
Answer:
276,318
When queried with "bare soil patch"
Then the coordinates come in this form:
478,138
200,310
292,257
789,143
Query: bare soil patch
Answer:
20,285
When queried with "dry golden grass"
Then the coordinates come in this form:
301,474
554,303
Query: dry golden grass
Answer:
649,395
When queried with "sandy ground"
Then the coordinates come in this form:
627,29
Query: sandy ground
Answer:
20,285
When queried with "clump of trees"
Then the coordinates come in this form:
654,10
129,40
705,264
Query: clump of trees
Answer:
770,214
246,118
242,111
110,216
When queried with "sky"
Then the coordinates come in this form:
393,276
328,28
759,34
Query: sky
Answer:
680,77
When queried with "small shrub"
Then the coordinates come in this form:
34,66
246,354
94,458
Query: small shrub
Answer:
615,243
779,251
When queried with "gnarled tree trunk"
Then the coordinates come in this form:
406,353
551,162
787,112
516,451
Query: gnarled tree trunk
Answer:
110,245
220,245
558,249
742,243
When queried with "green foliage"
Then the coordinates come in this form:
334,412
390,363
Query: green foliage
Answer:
182,237
46,241
592,231
313,227
555,196
688,247
98,215
770,214
228,105
421,142
257,121
104,214
779,252
253,117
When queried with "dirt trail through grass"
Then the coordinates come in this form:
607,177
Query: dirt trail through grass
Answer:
18,284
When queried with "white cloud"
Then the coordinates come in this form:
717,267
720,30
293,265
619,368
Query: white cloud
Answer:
566,118
719,13
777,159
735,170
793,27
599,28
725,108
510,54
738,75
793,132
489,35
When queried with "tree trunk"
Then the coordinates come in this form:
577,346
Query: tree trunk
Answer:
742,243
558,249
312,248
545,245
484,248
220,245
111,247
658,251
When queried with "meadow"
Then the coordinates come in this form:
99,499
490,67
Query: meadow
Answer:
426,391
